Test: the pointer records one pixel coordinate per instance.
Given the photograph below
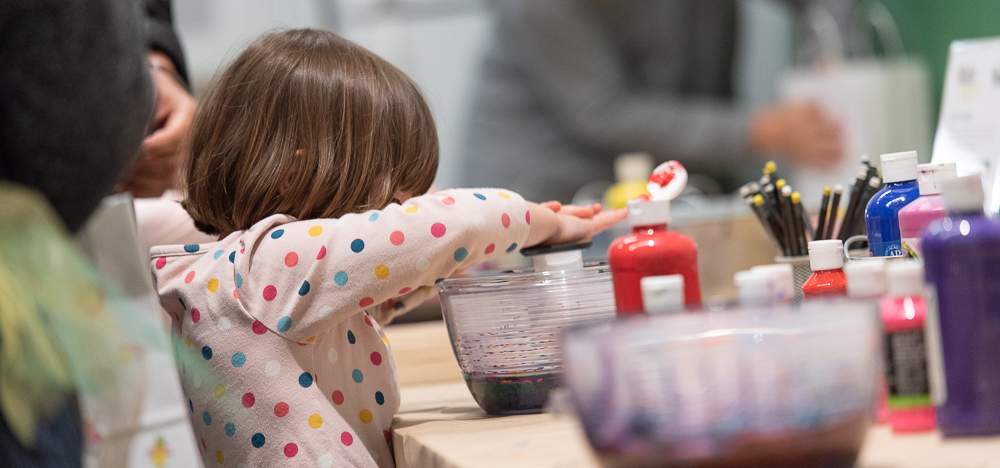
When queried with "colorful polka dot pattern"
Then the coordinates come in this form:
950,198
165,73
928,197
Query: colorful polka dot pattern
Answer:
286,380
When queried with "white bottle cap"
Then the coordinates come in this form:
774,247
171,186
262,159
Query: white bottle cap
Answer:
865,278
826,254
930,176
782,280
755,287
905,278
963,193
633,167
662,294
648,213
897,167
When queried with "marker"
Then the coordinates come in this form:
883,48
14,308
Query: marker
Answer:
834,206
861,180
801,231
786,214
821,228
757,204
771,169
874,185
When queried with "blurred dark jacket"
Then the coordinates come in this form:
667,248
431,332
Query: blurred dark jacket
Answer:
567,85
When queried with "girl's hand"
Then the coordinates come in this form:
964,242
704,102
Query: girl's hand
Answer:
553,223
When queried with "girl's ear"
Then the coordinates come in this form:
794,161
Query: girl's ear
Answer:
287,180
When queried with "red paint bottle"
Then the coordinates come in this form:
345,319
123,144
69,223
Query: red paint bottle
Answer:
826,259
651,250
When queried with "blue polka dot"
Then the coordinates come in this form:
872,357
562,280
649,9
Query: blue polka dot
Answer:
512,247
373,217
379,398
184,306
191,405
232,257
305,379
340,278
399,305
304,289
277,234
207,418
218,253
257,440
461,254
358,245
239,281
284,323
350,337
357,375
191,248
206,352
480,196
239,359
438,280
230,429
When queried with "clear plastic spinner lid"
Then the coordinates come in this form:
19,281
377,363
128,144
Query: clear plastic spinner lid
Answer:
553,264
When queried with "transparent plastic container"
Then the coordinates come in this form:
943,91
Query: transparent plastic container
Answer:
505,330
790,386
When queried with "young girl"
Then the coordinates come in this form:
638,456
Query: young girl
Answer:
303,160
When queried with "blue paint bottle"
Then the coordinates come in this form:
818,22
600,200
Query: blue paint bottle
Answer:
899,171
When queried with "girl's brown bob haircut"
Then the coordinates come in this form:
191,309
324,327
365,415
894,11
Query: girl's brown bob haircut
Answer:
309,124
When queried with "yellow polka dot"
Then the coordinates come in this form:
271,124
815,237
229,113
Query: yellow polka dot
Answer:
311,339
220,391
218,456
315,421
381,272
366,416
504,195
386,340
187,340
411,209
125,355
213,285
315,231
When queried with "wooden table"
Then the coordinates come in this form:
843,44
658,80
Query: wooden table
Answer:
440,426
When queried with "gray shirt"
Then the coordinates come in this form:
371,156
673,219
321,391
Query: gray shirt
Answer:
567,85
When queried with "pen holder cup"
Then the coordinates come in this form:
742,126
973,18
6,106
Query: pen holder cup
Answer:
800,271
851,255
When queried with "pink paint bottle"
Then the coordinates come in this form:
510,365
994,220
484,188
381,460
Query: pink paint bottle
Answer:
866,282
916,216
903,311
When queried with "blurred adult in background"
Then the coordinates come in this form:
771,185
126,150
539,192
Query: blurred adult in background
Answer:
568,85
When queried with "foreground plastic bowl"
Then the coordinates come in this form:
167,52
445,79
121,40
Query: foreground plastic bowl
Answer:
505,330
748,388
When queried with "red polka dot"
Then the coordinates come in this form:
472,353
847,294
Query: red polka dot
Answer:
242,249
376,358
527,217
396,237
366,302
388,436
235,295
346,438
291,259
338,397
368,320
248,399
322,253
161,262
258,328
390,303
291,449
448,201
505,220
281,409
270,292
437,230
203,446
490,248
189,278
404,290
195,315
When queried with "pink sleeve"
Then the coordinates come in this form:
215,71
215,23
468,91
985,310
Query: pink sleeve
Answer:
300,278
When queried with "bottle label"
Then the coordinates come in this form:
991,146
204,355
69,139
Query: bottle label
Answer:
906,369
911,247
887,249
935,351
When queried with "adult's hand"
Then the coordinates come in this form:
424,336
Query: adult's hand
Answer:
802,132
158,167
